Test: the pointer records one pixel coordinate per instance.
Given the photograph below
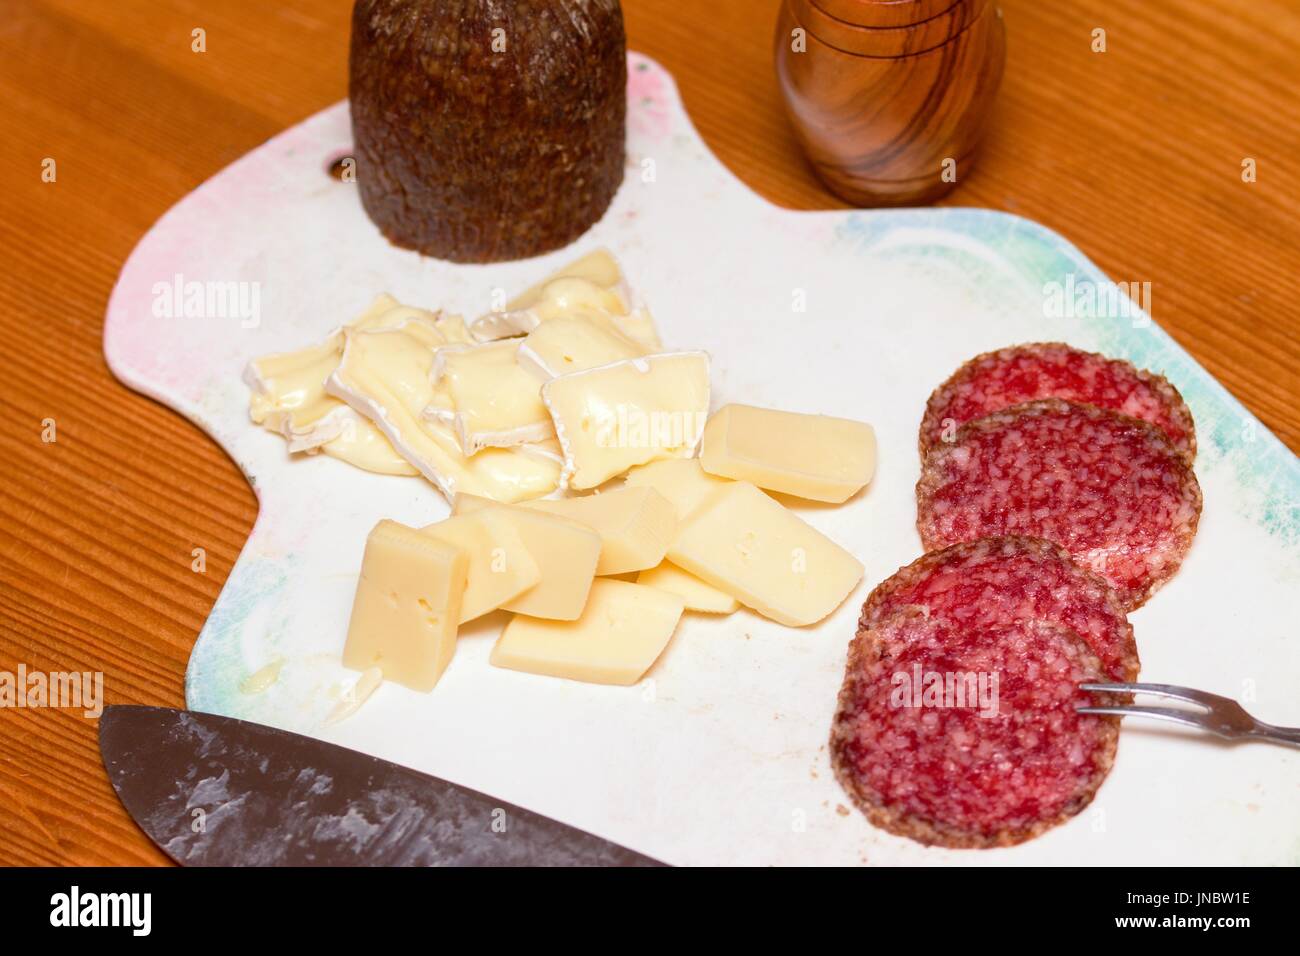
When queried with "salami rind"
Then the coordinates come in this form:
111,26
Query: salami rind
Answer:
1022,373
949,774
991,583
1111,489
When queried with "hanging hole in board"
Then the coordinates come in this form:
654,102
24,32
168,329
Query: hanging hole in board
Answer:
342,168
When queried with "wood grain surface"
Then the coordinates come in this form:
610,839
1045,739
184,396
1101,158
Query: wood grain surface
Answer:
1134,154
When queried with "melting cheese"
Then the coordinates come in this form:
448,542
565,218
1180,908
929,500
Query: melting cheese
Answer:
289,396
613,417
571,344
592,287
496,402
385,375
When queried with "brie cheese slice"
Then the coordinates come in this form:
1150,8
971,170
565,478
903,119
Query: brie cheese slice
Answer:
613,417
593,287
497,403
386,375
289,397
571,344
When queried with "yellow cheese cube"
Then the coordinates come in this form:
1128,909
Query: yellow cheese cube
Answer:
623,630
811,456
613,417
743,542
500,566
636,525
681,480
697,595
565,552
407,607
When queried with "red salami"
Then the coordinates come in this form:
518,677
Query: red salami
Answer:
994,583
1111,489
1023,373
927,762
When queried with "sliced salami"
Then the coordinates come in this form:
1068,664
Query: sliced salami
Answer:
1109,488
992,583
929,763
996,380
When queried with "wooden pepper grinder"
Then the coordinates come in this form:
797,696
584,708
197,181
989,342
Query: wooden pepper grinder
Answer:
889,97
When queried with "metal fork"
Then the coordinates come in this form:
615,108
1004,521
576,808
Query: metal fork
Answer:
1218,715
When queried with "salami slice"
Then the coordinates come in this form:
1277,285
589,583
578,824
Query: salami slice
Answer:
924,760
1023,373
1111,489
993,583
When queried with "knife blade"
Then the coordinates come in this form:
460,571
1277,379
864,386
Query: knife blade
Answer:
216,791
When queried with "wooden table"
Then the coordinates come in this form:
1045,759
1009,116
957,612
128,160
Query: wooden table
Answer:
1135,154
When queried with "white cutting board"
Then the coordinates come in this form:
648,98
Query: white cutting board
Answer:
720,755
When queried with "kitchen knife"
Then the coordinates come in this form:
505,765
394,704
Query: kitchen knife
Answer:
215,791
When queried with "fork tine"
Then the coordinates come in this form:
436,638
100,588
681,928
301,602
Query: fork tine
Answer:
1189,718
1172,691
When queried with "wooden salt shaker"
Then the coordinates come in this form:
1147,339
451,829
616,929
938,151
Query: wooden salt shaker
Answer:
889,97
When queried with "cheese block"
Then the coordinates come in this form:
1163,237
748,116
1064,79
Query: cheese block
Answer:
407,606
621,633
386,375
636,525
497,402
743,542
811,456
681,480
571,344
566,554
695,594
500,567
613,417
